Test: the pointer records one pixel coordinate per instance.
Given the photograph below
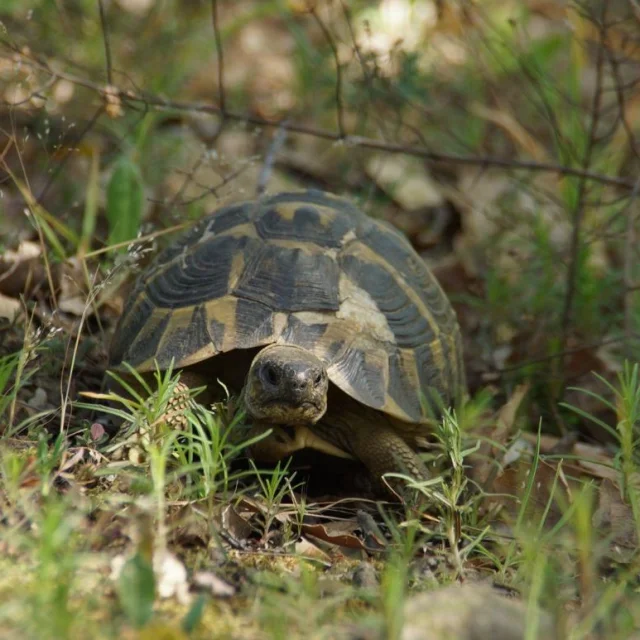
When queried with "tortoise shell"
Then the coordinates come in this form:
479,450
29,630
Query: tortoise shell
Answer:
308,269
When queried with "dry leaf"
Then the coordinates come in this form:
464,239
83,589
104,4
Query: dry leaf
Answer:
484,461
339,533
21,269
190,527
235,524
307,549
9,307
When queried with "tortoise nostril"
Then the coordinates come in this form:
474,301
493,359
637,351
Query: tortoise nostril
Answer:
270,374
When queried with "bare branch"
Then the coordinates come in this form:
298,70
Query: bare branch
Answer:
105,38
188,178
613,62
206,188
630,241
220,53
334,49
566,352
133,99
35,93
578,216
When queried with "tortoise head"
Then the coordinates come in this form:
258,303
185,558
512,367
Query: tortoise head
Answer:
286,385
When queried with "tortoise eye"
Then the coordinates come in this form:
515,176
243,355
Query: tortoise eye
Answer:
318,379
270,374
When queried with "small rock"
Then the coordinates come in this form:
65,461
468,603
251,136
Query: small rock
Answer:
365,577
469,612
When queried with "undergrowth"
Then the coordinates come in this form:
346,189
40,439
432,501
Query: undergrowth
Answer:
512,125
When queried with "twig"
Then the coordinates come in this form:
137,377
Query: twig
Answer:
188,178
130,97
35,93
220,52
334,50
105,38
207,189
613,62
139,240
567,352
629,261
578,216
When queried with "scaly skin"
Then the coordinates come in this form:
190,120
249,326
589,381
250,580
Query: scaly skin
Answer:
348,429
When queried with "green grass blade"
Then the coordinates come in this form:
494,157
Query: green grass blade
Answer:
125,199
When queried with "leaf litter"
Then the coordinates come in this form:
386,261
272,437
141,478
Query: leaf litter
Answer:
330,534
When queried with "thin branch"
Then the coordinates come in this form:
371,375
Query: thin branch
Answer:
578,216
105,38
334,49
220,53
613,62
629,262
35,93
132,98
206,188
565,352
188,178
366,75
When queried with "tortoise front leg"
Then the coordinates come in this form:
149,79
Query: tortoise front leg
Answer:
383,451
372,438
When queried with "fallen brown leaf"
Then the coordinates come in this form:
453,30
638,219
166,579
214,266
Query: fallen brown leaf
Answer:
21,269
338,532
235,524
9,307
308,549
484,463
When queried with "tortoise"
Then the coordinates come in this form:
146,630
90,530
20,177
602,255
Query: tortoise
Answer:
326,322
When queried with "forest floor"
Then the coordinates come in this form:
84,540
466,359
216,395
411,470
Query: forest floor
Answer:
501,139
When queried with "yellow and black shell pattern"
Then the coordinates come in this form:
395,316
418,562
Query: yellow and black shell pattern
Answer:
308,269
